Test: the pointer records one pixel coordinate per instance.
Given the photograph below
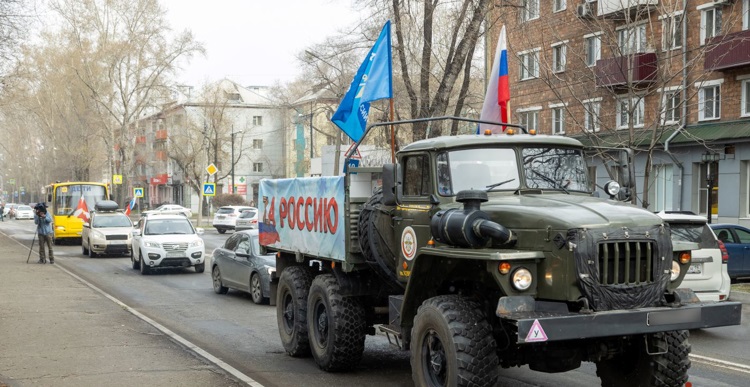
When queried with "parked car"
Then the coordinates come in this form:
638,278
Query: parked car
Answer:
108,231
23,212
247,220
226,217
736,238
167,241
707,275
239,265
169,209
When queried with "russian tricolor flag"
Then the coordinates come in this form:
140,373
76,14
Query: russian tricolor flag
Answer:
496,100
131,205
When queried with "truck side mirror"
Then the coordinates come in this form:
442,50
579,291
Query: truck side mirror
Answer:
390,172
626,168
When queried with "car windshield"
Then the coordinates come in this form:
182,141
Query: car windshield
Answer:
24,208
476,169
694,232
555,168
111,221
168,226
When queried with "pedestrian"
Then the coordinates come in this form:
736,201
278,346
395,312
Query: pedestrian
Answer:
2,212
43,221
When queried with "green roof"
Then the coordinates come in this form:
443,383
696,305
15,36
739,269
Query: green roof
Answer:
703,132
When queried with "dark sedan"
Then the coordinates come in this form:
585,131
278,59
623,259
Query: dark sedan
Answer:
736,239
239,265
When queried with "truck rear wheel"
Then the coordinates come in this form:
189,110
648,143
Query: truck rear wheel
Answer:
636,367
336,325
291,310
452,344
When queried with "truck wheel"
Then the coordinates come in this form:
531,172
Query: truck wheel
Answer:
291,310
635,367
452,344
381,259
336,325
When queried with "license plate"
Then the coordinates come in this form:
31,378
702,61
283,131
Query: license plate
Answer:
696,268
222,217
175,254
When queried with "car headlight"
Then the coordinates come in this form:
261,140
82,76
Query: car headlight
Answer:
674,273
270,270
196,243
152,244
97,235
521,279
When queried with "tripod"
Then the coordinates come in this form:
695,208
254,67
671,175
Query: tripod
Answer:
31,247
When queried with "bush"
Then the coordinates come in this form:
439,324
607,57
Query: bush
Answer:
221,200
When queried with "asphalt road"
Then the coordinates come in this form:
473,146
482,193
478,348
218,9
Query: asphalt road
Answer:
245,335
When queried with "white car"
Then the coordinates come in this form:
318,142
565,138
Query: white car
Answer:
248,220
108,231
169,209
24,212
167,241
707,275
225,217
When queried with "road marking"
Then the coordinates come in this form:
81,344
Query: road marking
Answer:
721,363
200,351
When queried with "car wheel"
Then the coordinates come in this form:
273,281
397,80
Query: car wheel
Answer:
219,287
136,264
85,250
92,254
221,230
144,268
200,268
255,289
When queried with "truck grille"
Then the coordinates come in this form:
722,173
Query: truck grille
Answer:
626,262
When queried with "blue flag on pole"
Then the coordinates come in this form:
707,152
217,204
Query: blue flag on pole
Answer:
372,82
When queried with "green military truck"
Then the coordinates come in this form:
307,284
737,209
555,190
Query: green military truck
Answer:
477,253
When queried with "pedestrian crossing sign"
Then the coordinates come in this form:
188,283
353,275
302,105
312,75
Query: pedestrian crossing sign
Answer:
138,192
209,189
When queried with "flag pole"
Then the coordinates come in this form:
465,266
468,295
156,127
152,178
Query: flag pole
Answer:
393,134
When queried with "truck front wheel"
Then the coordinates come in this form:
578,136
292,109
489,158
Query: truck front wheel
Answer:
336,325
452,344
291,310
635,367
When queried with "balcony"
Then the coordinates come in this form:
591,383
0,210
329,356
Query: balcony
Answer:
613,72
616,7
728,51
161,135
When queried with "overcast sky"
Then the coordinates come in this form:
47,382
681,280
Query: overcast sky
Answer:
254,42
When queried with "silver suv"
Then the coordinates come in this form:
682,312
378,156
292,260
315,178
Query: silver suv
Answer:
226,217
707,276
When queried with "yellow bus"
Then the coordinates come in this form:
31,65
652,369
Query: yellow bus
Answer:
62,201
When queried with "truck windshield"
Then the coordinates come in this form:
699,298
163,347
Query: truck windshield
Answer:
555,168
477,169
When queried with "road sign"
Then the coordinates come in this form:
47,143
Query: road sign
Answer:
116,179
138,192
209,189
211,169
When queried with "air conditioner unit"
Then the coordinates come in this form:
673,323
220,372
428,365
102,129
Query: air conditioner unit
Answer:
584,10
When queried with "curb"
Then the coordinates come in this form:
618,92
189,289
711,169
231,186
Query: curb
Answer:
743,297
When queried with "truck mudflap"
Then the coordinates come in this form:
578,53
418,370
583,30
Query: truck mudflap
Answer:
546,322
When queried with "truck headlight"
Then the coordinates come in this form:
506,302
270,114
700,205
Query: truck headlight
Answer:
521,279
674,273
612,188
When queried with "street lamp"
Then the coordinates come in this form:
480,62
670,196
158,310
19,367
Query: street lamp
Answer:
233,134
709,158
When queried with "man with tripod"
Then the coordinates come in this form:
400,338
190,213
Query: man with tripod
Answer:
43,221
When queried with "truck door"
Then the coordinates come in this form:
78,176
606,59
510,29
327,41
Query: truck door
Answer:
412,215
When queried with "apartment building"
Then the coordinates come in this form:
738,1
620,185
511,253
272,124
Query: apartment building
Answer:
669,78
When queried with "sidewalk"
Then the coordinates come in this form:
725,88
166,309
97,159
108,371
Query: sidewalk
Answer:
56,331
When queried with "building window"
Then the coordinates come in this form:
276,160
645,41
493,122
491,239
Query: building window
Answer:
257,144
591,115
706,170
632,39
593,47
257,167
745,98
529,119
709,102
745,14
558,120
529,64
558,57
559,5
628,108
663,187
672,31
672,105
257,120
529,10
710,23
